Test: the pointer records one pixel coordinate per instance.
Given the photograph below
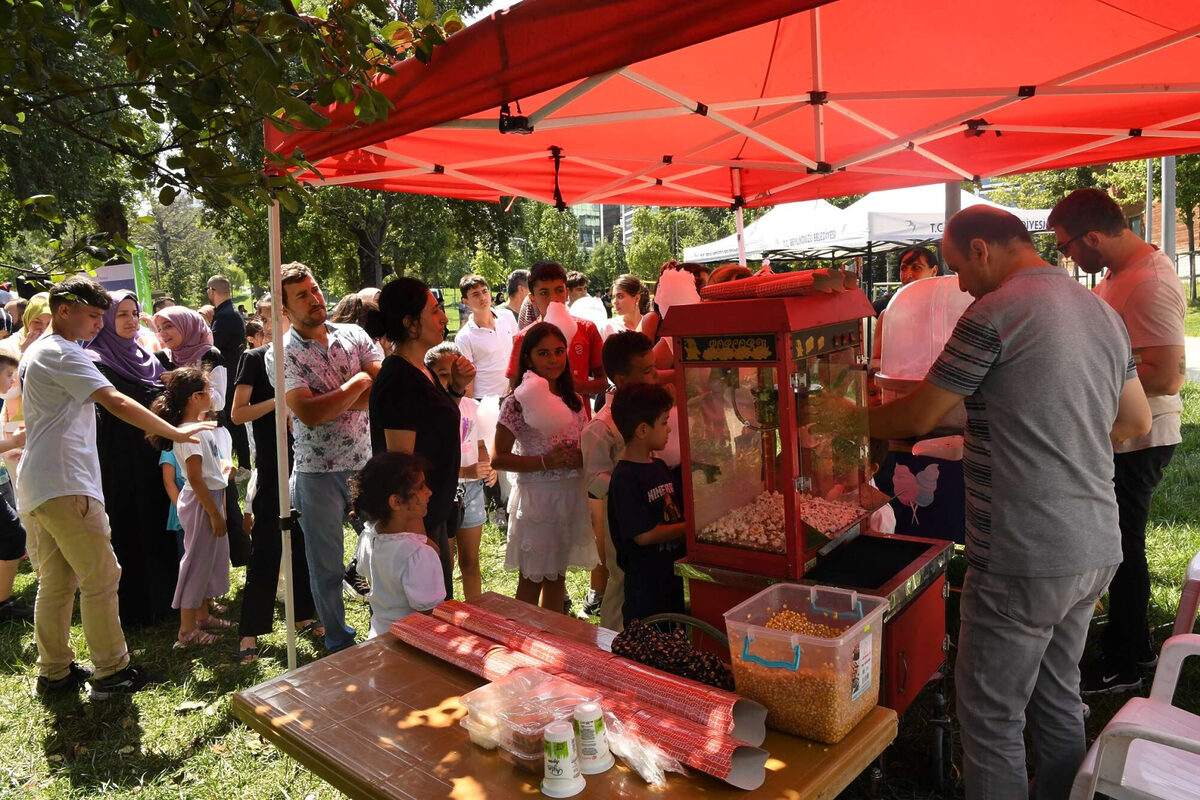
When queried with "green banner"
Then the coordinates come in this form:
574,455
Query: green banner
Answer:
141,279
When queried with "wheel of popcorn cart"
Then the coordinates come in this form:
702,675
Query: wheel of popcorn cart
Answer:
770,379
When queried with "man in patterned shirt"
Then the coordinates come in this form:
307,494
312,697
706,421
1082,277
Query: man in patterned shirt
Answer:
328,371
1046,373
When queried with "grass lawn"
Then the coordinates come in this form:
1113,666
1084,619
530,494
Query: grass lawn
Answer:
181,740
1192,320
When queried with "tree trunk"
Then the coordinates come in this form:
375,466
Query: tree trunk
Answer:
1191,232
370,258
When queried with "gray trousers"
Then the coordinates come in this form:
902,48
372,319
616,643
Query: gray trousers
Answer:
1018,660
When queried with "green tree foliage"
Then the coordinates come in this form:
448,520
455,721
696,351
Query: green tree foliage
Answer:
555,237
181,253
203,73
661,234
606,263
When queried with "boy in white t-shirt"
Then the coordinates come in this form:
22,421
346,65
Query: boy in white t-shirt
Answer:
60,500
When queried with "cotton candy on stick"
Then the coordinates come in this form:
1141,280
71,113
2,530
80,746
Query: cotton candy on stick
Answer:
543,410
486,417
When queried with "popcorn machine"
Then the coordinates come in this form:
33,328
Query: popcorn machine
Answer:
773,416
774,439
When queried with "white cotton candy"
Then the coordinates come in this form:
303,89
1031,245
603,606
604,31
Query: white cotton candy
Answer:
542,409
676,287
558,316
486,417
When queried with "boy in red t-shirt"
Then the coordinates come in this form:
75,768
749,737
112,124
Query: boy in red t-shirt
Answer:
548,284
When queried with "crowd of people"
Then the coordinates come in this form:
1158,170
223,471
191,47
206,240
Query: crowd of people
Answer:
129,440
133,437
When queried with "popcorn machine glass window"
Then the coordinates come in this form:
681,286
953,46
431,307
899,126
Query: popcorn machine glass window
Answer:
733,418
832,444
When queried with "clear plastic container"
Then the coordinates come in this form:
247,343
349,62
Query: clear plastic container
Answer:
815,686
916,326
512,713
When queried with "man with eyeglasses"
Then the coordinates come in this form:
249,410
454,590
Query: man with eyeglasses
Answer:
1141,285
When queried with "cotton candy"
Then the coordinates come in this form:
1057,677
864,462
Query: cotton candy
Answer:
558,316
676,287
486,417
543,410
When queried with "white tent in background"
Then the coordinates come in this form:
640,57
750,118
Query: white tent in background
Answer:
915,214
786,227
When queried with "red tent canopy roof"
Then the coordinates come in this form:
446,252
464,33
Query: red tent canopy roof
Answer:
679,104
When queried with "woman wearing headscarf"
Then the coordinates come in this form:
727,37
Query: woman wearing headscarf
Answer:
188,342
134,496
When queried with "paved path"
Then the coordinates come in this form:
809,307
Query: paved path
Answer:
1193,358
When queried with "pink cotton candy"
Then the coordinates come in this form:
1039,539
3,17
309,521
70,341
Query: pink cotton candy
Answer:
543,410
558,316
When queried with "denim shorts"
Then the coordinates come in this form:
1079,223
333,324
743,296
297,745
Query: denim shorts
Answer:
474,512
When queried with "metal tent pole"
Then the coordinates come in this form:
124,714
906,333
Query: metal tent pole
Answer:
281,442
737,215
1149,219
1168,210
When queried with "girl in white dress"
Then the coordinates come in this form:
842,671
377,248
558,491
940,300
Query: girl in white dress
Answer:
537,437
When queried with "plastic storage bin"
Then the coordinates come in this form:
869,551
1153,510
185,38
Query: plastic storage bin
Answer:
512,713
812,686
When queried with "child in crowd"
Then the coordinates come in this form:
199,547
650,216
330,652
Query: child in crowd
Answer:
204,568
628,359
645,504
537,437
173,482
402,566
12,532
474,473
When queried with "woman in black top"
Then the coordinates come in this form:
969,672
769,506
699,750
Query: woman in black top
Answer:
135,499
254,403
410,411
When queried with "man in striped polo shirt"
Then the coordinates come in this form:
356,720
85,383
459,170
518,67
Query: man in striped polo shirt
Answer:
1045,370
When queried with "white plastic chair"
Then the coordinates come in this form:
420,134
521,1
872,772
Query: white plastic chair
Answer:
1189,600
1150,749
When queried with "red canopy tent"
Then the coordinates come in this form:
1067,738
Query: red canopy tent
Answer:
759,102
700,103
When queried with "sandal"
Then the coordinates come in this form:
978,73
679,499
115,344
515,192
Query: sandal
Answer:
215,624
246,656
314,629
192,637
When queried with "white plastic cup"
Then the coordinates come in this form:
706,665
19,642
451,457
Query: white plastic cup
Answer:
561,761
594,755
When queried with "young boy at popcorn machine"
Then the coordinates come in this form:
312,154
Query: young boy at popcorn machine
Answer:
645,510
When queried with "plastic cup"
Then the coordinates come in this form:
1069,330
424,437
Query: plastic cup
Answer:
561,761
594,755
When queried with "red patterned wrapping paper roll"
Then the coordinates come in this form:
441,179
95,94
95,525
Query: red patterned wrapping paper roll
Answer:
716,754
718,711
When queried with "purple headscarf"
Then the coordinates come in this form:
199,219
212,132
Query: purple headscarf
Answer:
197,337
126,357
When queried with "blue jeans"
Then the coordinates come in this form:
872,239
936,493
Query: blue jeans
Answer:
322,499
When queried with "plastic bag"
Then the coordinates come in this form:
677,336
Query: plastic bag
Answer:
638,754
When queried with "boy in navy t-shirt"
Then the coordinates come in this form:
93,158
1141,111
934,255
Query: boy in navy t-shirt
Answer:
645,511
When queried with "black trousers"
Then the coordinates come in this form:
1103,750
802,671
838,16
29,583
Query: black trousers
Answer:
1126,639
241,440
262,573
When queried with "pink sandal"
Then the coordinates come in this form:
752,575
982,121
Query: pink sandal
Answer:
194,637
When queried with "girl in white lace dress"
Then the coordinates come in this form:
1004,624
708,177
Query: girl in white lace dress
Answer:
537,437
